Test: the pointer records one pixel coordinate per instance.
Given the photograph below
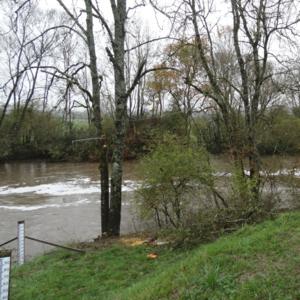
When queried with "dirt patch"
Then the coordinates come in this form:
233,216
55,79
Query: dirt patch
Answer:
131,240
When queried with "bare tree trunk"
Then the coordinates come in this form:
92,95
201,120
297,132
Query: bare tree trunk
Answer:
250,105
119,12
96,81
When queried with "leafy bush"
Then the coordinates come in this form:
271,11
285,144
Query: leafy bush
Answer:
211,131
179,193
174,175
44,135
279,133
242,190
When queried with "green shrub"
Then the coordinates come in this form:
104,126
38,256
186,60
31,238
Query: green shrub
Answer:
44,135
174,175
279,132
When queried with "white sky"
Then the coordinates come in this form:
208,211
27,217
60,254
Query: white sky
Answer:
147,18
146,14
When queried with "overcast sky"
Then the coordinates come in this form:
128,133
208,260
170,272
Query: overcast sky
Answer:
147,18
146,14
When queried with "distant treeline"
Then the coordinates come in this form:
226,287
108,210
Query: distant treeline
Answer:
44,135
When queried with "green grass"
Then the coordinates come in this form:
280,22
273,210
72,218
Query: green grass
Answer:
95,275
257,262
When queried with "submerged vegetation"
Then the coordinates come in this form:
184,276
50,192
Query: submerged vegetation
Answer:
192,203
173,176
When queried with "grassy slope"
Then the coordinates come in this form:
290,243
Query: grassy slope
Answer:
257,262
95,275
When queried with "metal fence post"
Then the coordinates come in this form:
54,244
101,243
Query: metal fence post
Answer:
21,242
5,265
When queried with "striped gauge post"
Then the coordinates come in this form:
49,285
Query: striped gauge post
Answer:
21,242
5,264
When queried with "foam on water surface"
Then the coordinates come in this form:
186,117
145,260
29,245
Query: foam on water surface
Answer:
85,186
70,187
76,186
42,206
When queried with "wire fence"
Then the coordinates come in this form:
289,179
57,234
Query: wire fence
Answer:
6,257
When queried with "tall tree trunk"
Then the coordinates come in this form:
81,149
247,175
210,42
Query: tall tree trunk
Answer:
254,163
250,103
119,12
103,166
104,174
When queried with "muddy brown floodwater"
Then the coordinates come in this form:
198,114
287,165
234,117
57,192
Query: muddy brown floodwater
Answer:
60,202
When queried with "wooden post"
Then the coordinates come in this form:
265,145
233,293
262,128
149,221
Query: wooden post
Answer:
21,242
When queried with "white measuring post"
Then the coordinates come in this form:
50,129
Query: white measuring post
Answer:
21,243
5,264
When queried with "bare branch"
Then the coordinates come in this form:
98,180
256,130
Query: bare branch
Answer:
73,17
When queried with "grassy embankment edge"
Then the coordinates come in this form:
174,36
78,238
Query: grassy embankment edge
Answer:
256,262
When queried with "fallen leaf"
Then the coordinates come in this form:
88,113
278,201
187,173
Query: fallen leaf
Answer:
152,255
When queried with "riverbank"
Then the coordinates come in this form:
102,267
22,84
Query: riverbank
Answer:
256,262
53,198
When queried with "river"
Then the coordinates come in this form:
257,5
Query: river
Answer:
60,202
